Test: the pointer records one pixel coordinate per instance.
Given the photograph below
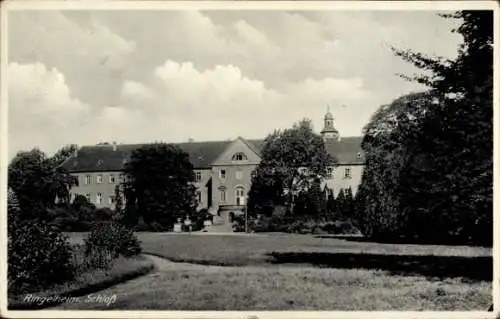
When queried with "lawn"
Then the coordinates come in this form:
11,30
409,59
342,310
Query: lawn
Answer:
196,287
242,250
301,272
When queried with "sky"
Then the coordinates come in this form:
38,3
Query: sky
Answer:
85,77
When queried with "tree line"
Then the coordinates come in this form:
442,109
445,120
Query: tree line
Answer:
429,155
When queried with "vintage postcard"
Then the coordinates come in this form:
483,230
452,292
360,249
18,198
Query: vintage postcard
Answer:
248,159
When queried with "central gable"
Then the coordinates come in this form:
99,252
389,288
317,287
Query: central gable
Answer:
238,152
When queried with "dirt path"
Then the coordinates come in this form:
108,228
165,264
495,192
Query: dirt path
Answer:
125,290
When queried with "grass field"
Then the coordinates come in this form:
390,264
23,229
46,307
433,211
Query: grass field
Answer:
285,272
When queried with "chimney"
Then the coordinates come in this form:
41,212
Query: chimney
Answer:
75,153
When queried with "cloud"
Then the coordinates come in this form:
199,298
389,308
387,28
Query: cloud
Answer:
43,113
40,107
137,76
92,57
136,90
222,102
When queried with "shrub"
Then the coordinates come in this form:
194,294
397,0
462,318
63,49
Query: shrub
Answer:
71,224
38,256
300,225
339,227
104,214
97,259
111,237
239,223
199,219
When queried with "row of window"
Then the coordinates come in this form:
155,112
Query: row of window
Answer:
98,199
239,195
99,179
347,172
222,176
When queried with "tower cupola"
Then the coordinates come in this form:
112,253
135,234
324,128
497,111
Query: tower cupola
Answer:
329,131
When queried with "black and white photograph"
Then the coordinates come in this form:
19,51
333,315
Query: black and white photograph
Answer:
200,156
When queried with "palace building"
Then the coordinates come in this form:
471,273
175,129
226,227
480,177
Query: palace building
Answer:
222,168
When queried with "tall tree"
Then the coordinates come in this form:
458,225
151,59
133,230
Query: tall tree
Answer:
331,205
63,154
348,204
37,182
118,200
159,184
429,159
463,126
291,160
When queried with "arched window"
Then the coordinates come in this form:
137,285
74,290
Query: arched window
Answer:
239,157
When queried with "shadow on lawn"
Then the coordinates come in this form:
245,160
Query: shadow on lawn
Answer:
402,240
473,268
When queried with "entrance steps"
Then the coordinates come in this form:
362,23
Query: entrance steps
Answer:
219,225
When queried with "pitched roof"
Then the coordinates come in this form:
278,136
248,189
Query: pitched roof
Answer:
347,150
100,158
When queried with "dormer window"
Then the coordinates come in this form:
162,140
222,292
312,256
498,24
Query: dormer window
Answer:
359,155
239,157
99,162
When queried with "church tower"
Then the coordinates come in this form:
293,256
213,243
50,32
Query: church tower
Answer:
329,132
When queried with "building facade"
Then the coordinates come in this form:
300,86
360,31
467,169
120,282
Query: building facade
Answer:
222,169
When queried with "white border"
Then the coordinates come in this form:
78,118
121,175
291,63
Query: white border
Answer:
232,5
245,5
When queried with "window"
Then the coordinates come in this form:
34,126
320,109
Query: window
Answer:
329,172
198,176
99,179
239,175
88,197
347,173
111,200
222,174
222,193
99,162
198,196
359,155
112,179
239,157
240,195
88,179
98,198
